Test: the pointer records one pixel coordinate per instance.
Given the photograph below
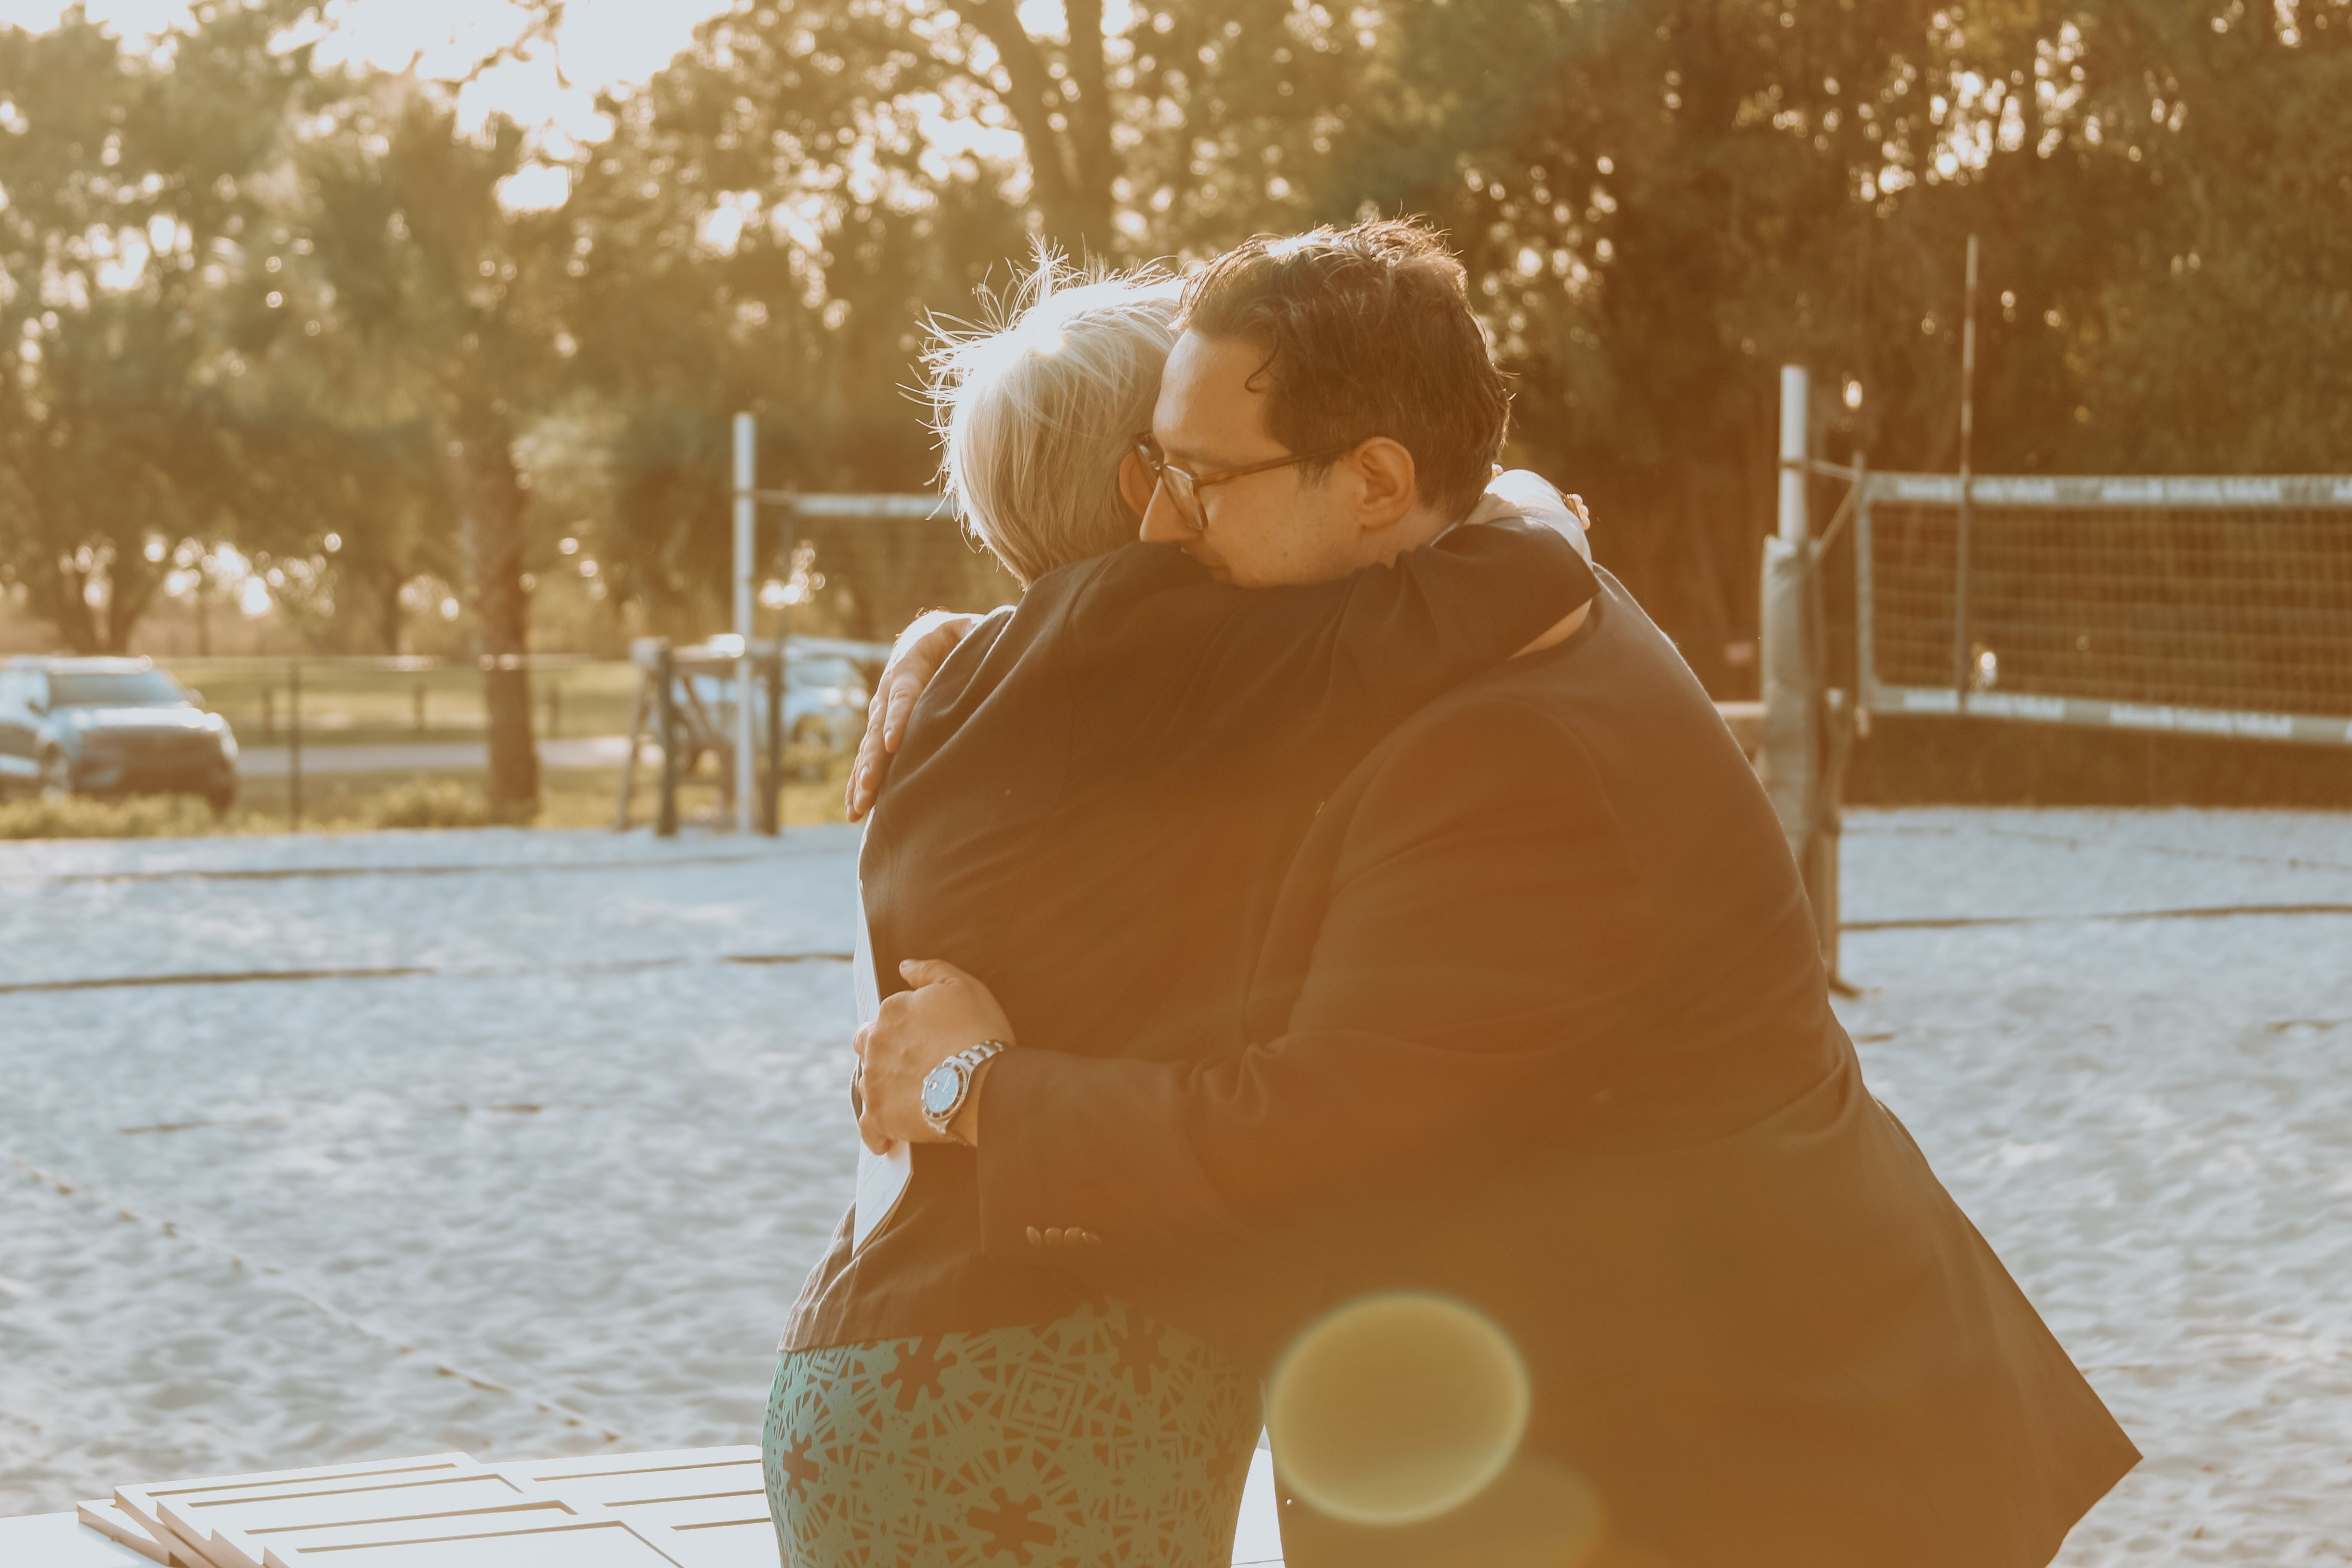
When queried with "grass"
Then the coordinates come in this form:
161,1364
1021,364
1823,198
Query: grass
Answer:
344,704
154,816
363,803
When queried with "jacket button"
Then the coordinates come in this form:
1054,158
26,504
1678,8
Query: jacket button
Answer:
1035,1240
1053,1235
1090,1239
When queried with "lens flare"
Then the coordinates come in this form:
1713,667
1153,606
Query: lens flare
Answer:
1397,1408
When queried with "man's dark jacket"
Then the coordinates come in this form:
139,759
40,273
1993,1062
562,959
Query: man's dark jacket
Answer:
1541,1024
1091,811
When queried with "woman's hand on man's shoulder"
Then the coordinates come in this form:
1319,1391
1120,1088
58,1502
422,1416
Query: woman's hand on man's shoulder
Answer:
915,658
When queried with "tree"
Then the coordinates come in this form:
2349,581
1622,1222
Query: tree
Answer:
1660,203
408,311
129,182
781,211
2225,312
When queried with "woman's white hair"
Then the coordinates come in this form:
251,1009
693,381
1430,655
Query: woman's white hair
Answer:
1035,405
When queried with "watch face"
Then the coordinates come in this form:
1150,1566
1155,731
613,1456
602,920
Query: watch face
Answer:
939,1088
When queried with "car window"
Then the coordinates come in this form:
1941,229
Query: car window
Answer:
821,670
115,689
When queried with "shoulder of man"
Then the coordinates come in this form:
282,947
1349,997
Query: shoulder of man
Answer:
1533,734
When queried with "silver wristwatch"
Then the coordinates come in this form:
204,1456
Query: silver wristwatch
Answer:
947,1086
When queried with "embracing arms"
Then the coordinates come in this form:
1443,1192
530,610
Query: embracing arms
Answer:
1476,945
1169,667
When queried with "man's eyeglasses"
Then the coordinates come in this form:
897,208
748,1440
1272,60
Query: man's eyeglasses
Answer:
1184,489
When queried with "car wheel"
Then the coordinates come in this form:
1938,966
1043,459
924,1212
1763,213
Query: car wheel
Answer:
812,743
56,776
221,800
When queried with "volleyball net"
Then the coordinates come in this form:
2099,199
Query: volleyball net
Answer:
2203,606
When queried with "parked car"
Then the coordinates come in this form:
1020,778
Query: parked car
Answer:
110,726
826,685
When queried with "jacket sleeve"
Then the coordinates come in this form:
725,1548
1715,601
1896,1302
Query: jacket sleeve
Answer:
1482,936
1169,665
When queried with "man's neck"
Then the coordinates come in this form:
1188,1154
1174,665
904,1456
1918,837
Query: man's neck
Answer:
1416,528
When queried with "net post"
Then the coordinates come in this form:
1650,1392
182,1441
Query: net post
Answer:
1796,441
779,707
1960,638
1865,604
639,656
294,745
746,519
772,793
1791,749
665,725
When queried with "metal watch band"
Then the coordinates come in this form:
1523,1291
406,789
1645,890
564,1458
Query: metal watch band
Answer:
967,1065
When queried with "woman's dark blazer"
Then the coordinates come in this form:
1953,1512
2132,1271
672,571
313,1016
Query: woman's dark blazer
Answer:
1091,811
1539,1023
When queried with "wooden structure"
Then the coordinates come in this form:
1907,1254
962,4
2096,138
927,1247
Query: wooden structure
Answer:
670,712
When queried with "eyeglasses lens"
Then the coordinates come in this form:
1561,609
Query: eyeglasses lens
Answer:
1186,498
1176,483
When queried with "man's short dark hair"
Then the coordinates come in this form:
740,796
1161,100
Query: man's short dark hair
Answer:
1367,331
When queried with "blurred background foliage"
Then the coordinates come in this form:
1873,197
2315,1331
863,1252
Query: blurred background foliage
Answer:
449,390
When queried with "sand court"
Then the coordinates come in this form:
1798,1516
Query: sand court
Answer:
323,1150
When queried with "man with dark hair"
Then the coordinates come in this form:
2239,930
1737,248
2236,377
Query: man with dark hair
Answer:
1335,317
1539,1025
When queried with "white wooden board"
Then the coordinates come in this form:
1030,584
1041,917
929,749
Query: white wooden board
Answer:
705,1508
696,1508
232,1531
118,1524
61,1541
582,1543
144,1500
616,1477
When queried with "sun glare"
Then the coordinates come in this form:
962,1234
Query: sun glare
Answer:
600,45
1397,1408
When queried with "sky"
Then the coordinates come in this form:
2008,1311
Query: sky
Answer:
602,44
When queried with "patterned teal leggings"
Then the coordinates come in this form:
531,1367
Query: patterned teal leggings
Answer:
1101,1437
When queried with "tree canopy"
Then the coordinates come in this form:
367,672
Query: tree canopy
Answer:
310,315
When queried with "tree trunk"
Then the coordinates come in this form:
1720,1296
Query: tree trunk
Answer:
60,596
130,593
388,611
1071,167
489,498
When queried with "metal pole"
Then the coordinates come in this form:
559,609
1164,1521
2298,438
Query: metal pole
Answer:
294,745
1784,662
665,726
1865,652
1796,432
771,789
746,511
1960,642
636,739
781,696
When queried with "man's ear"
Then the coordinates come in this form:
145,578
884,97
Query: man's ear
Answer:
1136,485
1386,472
